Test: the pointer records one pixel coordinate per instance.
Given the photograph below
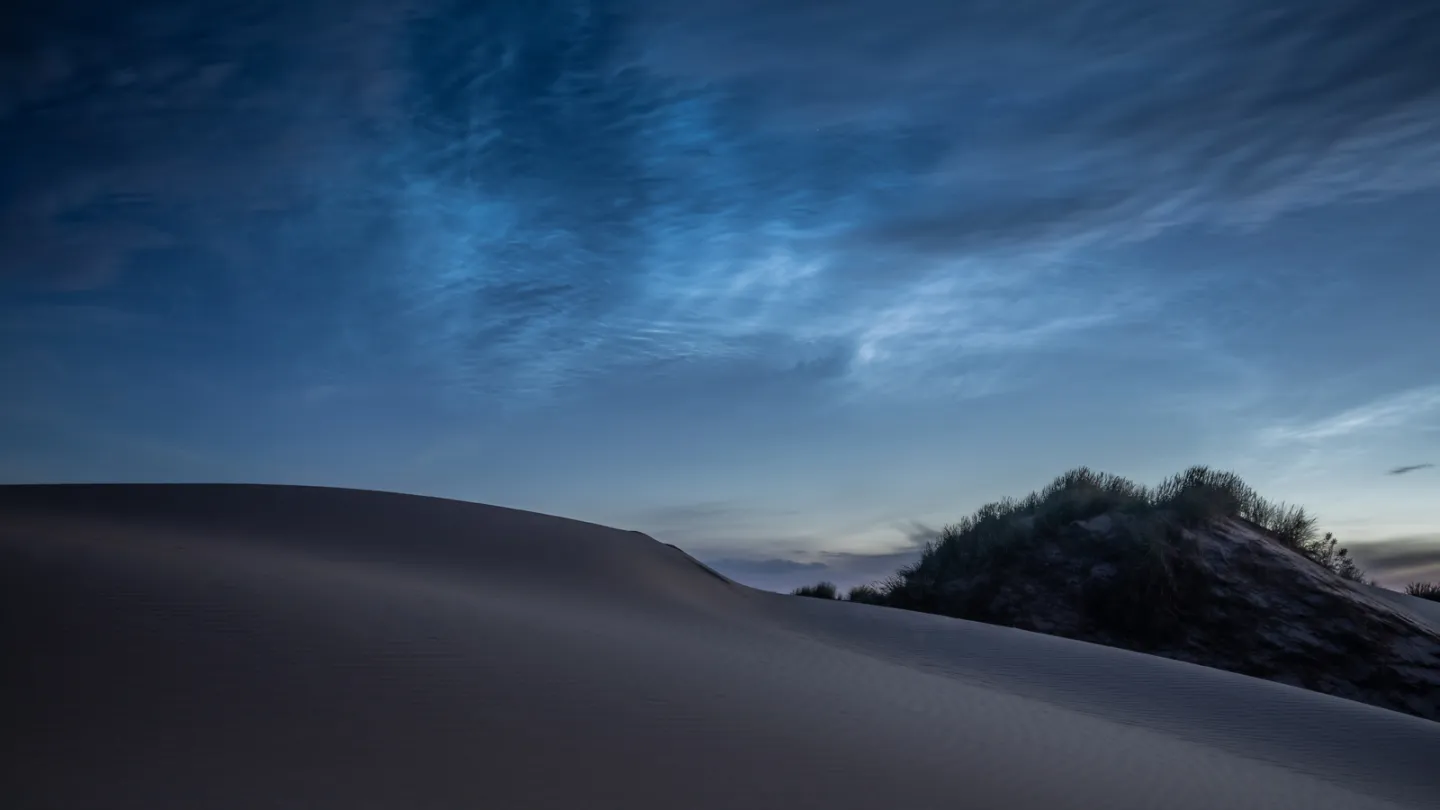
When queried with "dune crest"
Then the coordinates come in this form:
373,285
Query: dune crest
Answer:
181,646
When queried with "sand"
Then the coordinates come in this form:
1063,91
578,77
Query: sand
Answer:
1423,611
279,647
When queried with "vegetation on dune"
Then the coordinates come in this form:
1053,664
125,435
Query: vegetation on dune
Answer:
1147,546
1424,590
1198,569
820,590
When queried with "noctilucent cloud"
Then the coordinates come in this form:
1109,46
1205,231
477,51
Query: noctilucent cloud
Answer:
787,284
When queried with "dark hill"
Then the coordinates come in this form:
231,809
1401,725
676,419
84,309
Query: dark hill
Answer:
1199,569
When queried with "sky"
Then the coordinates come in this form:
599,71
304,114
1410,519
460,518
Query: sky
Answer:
789,284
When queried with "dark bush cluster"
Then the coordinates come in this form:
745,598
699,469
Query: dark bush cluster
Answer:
820,590
1149,542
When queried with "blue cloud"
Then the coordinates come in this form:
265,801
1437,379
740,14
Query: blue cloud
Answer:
515,200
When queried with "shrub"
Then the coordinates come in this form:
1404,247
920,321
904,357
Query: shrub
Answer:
1424,590
1201,494
1325,552
866,595
1009,526
820,590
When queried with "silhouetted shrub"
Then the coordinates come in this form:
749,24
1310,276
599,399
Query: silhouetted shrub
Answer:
820,590
1146,547
1201,494
1324,551
1424,590
866,595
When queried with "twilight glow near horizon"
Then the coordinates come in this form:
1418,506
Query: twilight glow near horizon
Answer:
787,284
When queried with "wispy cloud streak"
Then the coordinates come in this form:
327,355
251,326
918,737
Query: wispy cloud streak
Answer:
516,198
1397,411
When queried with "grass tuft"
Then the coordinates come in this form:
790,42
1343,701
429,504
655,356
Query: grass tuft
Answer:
1424,590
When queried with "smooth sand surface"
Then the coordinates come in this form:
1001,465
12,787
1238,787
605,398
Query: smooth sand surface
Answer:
206,647
1422,610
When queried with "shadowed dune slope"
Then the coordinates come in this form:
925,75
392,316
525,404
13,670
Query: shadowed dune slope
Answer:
225,646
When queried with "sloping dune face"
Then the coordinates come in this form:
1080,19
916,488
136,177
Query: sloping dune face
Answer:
241,647
1423,610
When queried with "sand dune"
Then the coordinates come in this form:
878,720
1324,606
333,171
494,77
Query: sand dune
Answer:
241,647
1422,610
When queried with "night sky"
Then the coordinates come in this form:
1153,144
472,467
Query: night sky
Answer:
788,283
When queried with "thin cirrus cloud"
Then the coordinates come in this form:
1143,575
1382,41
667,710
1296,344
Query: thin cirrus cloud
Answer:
1088,120
518,198
1406,409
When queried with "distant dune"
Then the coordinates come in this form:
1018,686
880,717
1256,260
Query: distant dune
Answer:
215,647
1199,568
